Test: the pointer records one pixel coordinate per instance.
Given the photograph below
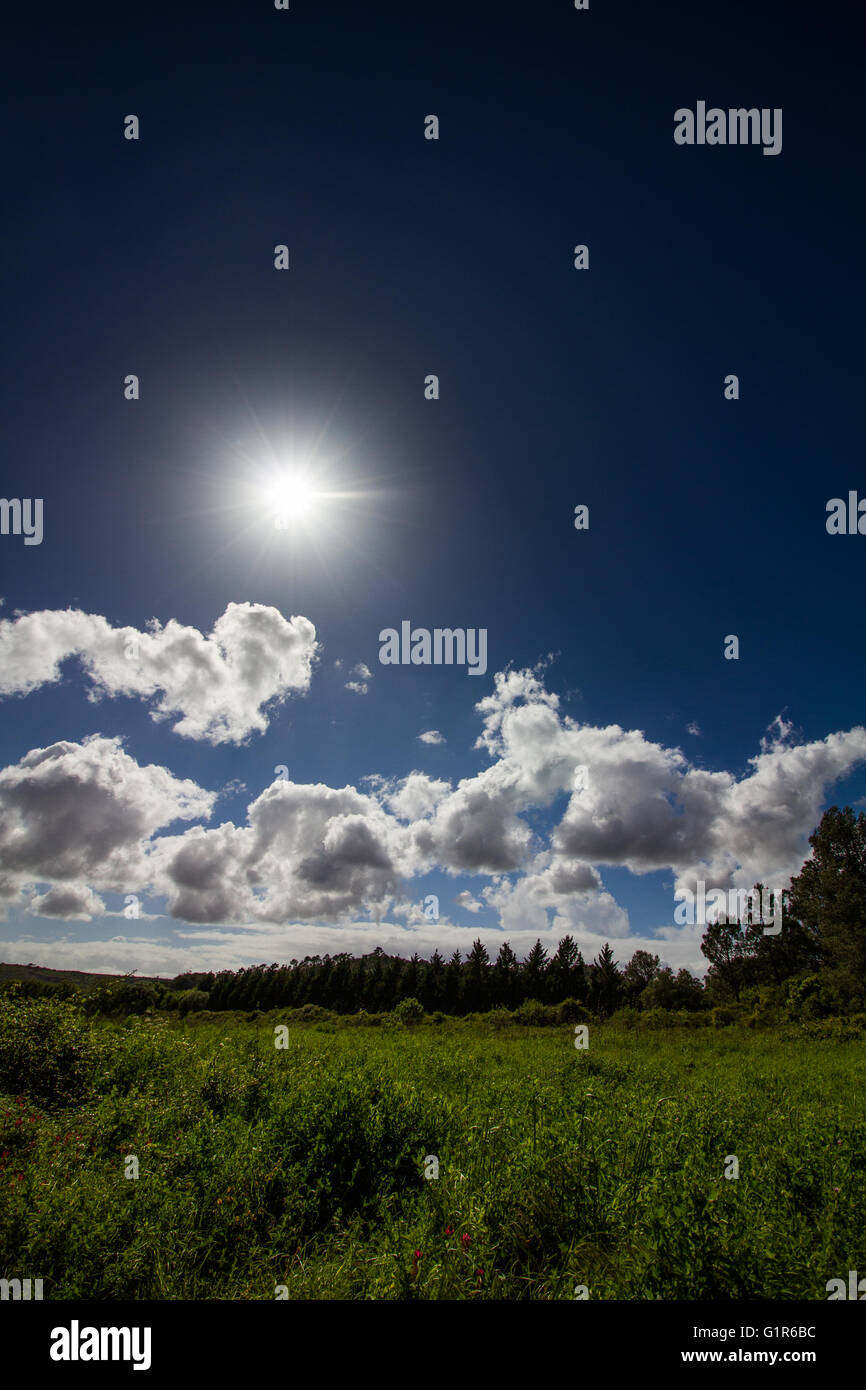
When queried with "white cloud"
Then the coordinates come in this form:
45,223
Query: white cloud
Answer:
431,736
307,852
468,903
84,818
215,687
694,729
415,796
71,901
78,816
362,676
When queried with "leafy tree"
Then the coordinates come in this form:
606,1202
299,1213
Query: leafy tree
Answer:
190,1000
640,971
667,991
725,947
828,896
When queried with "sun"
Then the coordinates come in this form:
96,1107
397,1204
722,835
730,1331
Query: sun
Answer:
290,497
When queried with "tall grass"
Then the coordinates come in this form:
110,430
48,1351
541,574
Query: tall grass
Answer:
304,1168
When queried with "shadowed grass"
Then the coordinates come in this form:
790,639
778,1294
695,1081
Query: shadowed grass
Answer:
304,1167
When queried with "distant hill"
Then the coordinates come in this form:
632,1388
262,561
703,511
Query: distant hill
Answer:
81,979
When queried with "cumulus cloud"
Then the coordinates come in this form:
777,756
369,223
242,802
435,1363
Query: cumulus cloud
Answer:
431,736
82,815
553,894
215,687
414,797
307,852
73,901
694,729
558,802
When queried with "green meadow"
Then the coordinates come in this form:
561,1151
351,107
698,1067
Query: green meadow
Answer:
299,1171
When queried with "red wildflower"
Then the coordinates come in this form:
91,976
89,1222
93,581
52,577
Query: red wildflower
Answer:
465,1241
449,1230
418,1254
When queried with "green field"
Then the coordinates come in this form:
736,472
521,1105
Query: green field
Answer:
304,1167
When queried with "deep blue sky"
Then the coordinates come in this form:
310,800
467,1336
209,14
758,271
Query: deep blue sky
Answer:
558,387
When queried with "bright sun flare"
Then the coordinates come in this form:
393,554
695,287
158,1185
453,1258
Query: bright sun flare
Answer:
291,497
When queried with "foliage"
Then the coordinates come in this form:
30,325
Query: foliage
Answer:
409,1011
46,1048
305,1166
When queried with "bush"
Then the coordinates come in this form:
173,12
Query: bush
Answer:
534,1014
39,989
830,993
46,1049
723,1017
126,997
310,1013
409,1011
625,1018
570,1011
192,1001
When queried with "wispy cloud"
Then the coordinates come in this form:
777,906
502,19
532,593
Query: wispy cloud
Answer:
362,677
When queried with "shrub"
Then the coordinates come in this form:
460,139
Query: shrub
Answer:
831,993
47,1050
310,1013
723,1017
126,996
192,1001
625,1018
570,1011
409,1011
533,1014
